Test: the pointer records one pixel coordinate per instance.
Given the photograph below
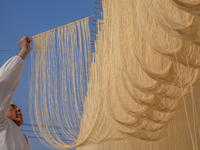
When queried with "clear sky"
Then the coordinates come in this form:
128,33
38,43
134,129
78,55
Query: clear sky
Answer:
27,18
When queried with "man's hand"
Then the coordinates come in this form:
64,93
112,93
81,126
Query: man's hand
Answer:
24,45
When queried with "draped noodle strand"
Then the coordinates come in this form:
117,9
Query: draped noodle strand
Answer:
146,68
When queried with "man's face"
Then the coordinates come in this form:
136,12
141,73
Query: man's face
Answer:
15,115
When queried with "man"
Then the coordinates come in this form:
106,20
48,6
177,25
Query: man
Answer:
11,117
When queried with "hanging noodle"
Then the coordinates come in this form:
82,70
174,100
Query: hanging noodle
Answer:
146,64
58,63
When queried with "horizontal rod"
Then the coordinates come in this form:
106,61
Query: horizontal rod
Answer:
60,27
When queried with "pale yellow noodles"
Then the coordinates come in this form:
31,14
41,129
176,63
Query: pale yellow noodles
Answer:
140,89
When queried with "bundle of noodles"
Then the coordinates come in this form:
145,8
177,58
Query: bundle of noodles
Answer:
147,59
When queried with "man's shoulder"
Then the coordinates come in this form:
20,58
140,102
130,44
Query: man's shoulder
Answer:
3,123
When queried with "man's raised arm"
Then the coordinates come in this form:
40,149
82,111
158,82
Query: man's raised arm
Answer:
9,76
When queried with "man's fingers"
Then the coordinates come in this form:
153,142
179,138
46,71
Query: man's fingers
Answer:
27,39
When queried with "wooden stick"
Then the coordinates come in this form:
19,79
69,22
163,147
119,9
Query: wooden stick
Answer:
60,27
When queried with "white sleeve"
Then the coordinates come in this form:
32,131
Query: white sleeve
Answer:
9,78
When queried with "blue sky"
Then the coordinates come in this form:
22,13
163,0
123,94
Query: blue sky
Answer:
23,17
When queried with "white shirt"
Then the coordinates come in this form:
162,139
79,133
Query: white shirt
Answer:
11,138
